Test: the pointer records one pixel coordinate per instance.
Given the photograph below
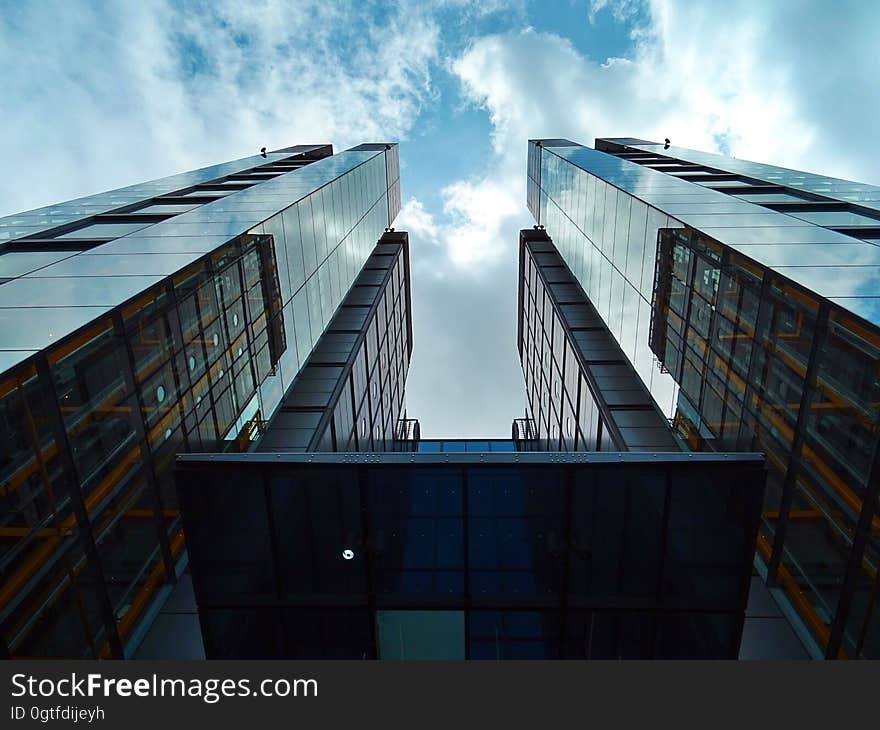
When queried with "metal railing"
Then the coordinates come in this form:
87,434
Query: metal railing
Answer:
525,434
407,435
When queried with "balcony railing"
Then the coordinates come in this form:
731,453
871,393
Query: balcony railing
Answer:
525,434
407,435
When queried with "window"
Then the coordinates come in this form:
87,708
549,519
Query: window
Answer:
725,183
835,218
420,634
165,208
104,230
770,197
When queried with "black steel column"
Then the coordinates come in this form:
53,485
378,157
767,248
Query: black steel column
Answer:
141,431
788,487
276,562
466,561
664,549
856,555
567,549
86,536
176,332
368,546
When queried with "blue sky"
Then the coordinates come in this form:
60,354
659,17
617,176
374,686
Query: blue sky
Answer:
450,120
102,94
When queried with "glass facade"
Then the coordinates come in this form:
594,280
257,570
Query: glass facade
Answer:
472,446
746,298
349,396
583,393
50,219
799,185
175,320
487,555
613,263
92,428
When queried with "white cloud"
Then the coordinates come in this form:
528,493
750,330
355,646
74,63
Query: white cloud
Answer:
414,219
477,212
759,81
131,91
474,214
621,10
720,76
99,97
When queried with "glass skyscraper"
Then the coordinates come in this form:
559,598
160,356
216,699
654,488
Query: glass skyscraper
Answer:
349,393
583,392
747,299
322,542
202,385
168,316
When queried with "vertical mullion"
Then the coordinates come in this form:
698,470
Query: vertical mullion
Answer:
141,432
466,561
567,496
276,558
368,543
856,555
86,535
664,547
797,443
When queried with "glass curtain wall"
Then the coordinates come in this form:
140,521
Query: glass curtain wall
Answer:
119,357
514,555
765,365
608,239
325,239
350,394
91,524
583,393
752,334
